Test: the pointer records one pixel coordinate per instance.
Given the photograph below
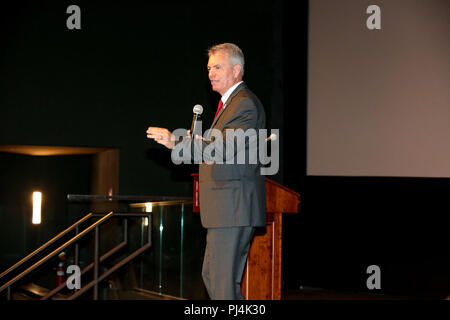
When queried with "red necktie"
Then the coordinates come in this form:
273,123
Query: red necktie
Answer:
218,108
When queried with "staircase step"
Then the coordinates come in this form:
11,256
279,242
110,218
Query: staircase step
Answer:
35,291
141,294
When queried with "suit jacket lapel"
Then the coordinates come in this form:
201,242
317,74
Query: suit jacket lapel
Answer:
228,102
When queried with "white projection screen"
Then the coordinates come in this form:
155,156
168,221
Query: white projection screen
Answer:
378,100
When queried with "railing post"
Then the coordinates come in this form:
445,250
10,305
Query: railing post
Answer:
96,250
141,263
181,249
149,229
125,232
161,229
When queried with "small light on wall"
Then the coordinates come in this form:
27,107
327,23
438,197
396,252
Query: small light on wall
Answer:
37,204
148,208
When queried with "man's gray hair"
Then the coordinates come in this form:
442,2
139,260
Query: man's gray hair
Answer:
234,53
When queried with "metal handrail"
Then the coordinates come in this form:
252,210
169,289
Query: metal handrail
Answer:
97,260
98,278
45,245
85,269
91,265
128,198
55,252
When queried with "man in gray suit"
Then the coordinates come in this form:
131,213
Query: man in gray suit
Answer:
232,194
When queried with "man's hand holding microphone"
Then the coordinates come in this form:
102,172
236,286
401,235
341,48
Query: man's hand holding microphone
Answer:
166,138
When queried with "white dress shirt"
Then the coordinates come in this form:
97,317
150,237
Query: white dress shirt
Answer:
227,94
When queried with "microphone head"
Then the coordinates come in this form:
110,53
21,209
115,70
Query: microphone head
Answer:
198,109
272,137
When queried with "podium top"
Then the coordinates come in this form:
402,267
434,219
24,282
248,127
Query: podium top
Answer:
281,199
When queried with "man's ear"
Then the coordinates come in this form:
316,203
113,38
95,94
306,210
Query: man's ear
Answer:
237,70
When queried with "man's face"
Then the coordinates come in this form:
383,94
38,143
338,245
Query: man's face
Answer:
221,73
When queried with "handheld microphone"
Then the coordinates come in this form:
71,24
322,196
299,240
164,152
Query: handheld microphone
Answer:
197,110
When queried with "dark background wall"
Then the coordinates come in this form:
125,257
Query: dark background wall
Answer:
144,63
20,175
130,66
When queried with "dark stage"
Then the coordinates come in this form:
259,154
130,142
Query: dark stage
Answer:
363,118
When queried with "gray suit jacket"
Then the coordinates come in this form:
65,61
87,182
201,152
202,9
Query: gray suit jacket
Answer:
234,194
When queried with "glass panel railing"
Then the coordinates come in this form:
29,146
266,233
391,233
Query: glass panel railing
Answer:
172,266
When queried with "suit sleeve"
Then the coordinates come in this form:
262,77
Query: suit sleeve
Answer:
236,141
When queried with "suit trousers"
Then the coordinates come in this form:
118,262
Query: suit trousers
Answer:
224,262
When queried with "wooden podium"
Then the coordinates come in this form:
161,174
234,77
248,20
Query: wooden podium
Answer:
262,274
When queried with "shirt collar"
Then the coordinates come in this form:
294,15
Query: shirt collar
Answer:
227,94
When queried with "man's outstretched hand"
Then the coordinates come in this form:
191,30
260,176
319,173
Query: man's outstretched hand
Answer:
162,136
